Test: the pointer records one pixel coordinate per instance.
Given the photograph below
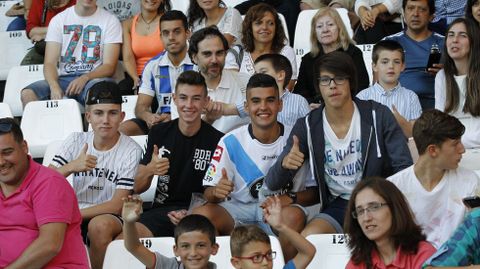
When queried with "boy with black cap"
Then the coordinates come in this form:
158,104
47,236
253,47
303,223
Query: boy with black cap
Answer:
103,163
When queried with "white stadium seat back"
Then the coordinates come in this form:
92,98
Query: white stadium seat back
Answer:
4,20
233,3
284,24
117,256
5,111
302,31
149,195
18,78
332,251
367,58
47,121
181,5
13,47
50,152
128,106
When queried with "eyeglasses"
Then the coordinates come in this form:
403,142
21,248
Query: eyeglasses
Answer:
372,207
259,257
325,81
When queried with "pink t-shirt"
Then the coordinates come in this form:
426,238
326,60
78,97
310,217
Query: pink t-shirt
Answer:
402,260
44,197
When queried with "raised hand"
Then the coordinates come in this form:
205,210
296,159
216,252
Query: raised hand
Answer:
294,159
224,186
272,212
158,166
132,208
84,162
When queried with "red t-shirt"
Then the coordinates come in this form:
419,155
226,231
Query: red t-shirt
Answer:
36,12
402,260
43,197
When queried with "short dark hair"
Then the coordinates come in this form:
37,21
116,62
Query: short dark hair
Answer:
431,5
174,15
404,232
242,235
434,127
338,63
202,34
195,223
279,63
190,77
10,125
262,81
390,45
104,92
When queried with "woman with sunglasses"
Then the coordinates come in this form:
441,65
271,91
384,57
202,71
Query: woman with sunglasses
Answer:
382,230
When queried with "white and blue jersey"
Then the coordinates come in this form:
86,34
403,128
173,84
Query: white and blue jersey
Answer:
247,161
159,78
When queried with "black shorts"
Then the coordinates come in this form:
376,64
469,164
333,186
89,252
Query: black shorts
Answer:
85,223
157,221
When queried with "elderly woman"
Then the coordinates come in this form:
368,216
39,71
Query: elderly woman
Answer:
382,230
328,34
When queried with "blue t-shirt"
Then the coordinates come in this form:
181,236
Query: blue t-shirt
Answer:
415,77
289,265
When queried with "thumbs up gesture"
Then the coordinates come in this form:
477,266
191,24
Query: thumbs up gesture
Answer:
294,159
84,162
224,186
158,166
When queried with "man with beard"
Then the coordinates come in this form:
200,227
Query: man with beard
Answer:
208,48
160,75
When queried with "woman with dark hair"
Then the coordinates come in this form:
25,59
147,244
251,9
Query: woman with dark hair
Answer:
328,34
382,230
472,10
141,41
228,20
457,85
262,33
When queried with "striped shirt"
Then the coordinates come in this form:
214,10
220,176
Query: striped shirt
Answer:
406,101
115,167
294,107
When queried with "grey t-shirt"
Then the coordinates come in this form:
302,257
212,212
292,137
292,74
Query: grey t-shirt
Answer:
164,262
122,9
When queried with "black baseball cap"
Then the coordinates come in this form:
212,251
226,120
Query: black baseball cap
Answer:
104,92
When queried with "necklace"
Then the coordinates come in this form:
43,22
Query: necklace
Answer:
148,22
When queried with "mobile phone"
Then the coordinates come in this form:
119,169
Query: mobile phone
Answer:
434,58
471,201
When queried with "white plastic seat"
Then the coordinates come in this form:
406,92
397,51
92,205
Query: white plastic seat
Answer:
303,27
18,78
117,256
149,195
50,152
4,20
5,111
128,106
470,160
181,5
13,47
332,251
47,121
367,58
233,3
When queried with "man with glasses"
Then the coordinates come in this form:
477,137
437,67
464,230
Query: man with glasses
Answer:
435,185
39,215
208,48
344,140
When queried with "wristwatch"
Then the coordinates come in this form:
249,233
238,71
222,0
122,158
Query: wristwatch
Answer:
293,196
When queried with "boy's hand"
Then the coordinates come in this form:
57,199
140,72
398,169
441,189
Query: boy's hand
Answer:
272,212
294,159
158,166
84,162
132,208
224,186
176,216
